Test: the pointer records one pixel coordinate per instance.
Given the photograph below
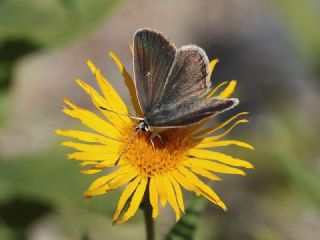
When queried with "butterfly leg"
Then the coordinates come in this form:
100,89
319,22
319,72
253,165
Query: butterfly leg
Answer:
153,135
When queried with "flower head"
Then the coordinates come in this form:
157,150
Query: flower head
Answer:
179,160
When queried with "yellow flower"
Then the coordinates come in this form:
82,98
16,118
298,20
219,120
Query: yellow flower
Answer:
161,170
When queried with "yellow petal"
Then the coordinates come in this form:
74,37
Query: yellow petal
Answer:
92,147
160,183
92,121
109,158
92,66
184,182
99,182
108,91
200,171
219,126
216,89
212,65
107,178
213,166
91,171
99,101
227,92
86,163
110,163
112,184
135,202
69,103
153,195
225,143
125,196
87,137
99,191
203,188
178,192
220,157
171,197
129,83
93,193
96,188
125,178
216,137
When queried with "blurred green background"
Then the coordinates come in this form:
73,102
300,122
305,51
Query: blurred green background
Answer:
271,47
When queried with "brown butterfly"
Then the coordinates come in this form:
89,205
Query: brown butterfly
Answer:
171,84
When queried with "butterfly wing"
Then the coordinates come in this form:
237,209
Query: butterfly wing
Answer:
188,77
189,112
153,56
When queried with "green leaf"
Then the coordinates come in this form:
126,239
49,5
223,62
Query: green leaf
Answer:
186,227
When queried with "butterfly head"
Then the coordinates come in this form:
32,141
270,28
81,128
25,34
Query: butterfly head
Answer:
142,126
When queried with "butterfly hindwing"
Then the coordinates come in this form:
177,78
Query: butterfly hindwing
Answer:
153,56
189,112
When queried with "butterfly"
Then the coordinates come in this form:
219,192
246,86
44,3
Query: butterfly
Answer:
171,84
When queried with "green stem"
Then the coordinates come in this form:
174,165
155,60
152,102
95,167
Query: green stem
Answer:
147,210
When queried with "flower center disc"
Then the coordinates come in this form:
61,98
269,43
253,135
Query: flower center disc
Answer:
166,155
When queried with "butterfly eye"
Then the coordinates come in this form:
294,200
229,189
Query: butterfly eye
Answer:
142,126
145,128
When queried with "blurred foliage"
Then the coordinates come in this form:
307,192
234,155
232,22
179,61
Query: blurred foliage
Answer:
304,179
31,186
4,101
28,25
64,187
29,211
302,19
50,22
296,153
10,51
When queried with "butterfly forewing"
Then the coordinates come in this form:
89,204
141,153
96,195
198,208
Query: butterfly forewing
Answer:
188,77
153,55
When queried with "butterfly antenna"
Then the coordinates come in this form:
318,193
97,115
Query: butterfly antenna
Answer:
121,114
133,136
